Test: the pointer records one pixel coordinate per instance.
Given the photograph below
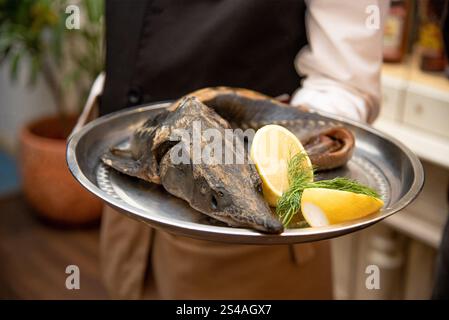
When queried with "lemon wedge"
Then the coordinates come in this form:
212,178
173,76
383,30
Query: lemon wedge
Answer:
322,207
272,148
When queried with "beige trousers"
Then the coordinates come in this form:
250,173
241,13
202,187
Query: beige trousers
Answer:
141,262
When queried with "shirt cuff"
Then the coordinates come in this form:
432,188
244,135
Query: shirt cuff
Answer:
332,100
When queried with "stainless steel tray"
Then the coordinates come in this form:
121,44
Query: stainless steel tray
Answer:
379,161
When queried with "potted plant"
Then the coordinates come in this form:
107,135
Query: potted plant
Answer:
34,34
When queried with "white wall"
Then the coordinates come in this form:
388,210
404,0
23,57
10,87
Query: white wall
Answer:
20,103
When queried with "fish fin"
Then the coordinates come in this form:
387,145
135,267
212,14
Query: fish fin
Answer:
121,152
122,161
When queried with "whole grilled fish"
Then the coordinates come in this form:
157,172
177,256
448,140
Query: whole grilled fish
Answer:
328,146
231,193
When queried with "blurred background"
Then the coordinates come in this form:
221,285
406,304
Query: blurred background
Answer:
47,221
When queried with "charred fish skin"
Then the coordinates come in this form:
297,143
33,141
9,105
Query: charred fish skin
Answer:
226,195
230,193
329,145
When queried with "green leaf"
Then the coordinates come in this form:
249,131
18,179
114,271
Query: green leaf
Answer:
35,69
15,65
94,10
36,28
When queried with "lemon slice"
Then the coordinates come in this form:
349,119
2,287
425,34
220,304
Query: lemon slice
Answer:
272,148
322,207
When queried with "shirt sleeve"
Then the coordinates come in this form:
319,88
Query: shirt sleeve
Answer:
343,59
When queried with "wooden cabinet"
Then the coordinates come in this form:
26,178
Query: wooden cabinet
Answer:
393,92
415,110
427,109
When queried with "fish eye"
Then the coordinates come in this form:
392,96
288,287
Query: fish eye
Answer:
259,187
213,202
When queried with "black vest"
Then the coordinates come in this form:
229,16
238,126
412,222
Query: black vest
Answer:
163,49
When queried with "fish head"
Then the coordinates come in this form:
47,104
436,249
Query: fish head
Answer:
231,193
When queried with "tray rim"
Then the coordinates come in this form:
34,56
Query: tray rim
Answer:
240,235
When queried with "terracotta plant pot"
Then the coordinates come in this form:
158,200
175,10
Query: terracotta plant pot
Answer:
47,182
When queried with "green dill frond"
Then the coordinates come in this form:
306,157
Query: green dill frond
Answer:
298,170
345,184
300,177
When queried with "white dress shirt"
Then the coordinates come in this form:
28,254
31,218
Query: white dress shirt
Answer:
342,62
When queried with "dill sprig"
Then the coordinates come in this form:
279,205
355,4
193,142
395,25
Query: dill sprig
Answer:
345,184
300,177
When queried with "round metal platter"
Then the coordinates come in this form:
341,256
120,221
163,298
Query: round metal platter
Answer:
379,161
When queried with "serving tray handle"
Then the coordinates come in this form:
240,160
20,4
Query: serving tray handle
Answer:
90,109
